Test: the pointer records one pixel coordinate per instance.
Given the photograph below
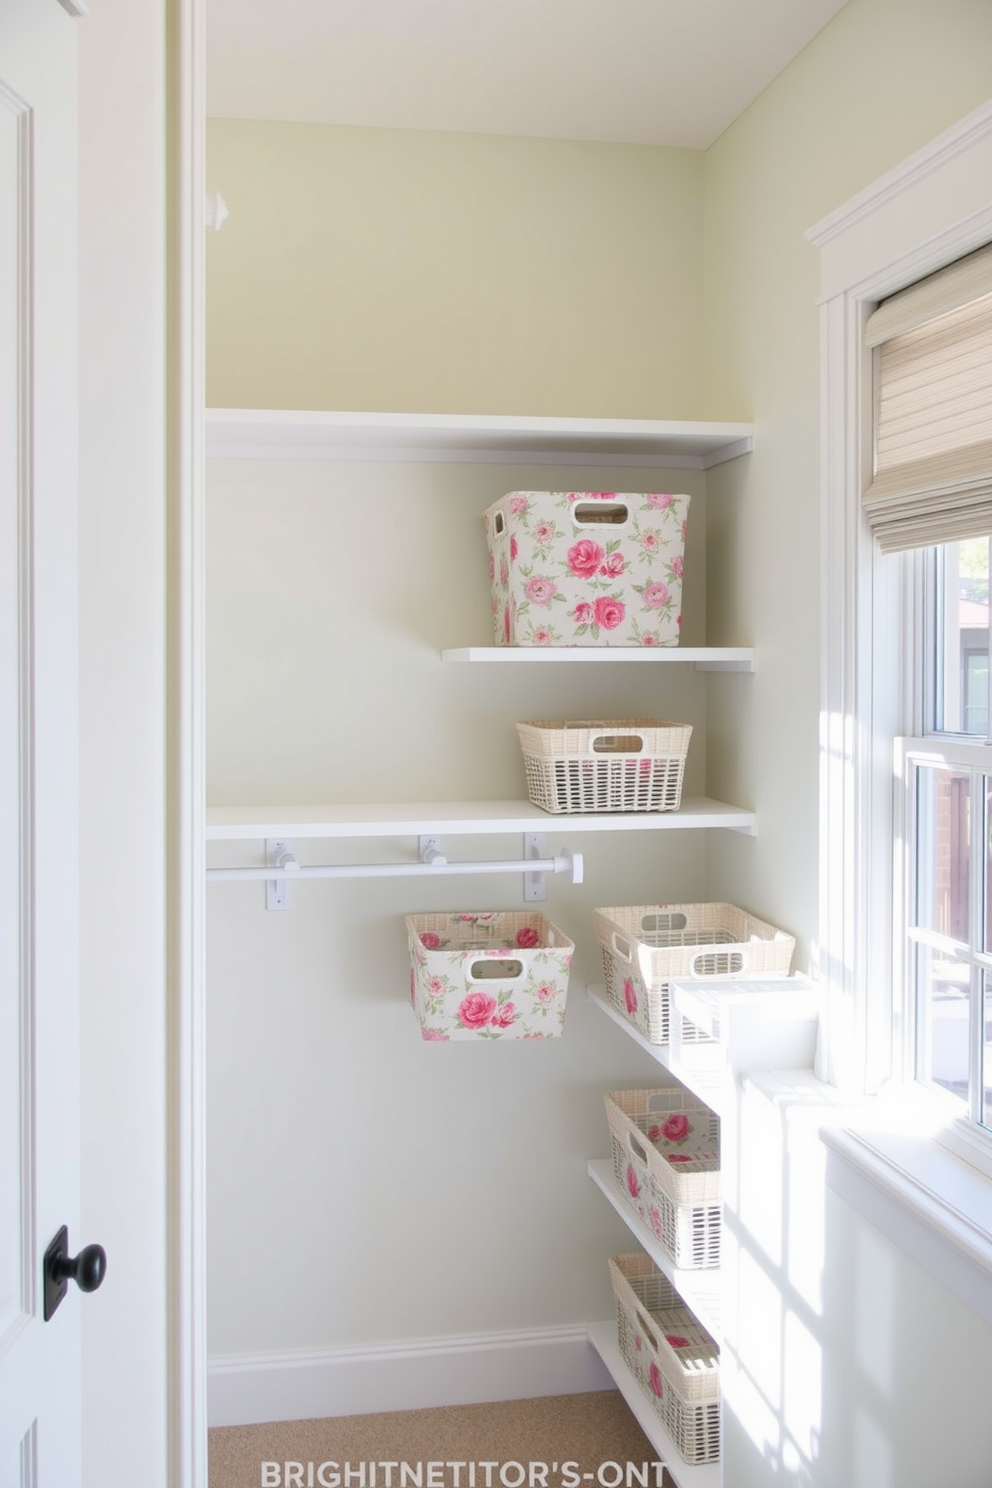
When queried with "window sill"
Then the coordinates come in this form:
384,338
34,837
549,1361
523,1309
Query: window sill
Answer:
894,1164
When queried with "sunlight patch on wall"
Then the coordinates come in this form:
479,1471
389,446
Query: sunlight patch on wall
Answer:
875,1314
760,1323
802,1387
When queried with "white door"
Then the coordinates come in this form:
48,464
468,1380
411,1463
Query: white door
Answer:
39,1036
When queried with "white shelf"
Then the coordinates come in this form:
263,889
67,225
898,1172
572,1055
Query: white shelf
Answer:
707,1085
459,818
603,1337
703,658
278,434
699,1289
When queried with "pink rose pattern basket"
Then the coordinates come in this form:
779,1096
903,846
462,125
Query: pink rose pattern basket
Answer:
672,1357
666,1164
586,568
488,975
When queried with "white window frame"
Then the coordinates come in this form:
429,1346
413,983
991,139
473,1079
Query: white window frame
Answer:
973,757
910,1183
934,208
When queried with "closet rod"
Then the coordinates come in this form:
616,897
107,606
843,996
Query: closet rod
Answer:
567,862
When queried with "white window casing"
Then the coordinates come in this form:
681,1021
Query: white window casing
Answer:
927,213
929,1189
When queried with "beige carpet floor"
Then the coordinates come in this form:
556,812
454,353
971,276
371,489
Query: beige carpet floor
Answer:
560,1441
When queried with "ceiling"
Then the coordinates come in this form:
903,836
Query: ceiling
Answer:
660,72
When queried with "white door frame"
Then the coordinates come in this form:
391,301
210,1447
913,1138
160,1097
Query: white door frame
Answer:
185,746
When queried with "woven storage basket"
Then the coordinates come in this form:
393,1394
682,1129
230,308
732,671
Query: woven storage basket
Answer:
643,948
586,568
488,975
666,1163
674,1359
621,764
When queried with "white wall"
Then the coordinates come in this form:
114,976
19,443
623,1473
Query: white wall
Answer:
836,1345
122,681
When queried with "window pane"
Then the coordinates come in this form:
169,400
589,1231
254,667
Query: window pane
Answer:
983,934
943,851
943,986
987,1049
962,637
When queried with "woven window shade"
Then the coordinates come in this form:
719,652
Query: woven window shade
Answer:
933,409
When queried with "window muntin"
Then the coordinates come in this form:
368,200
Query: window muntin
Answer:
947,777
956,638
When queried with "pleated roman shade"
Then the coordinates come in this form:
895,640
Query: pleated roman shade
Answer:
932,345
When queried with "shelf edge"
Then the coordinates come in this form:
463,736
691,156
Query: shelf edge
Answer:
603,1337
708,1090
454,818
703,658
266,433
685,1282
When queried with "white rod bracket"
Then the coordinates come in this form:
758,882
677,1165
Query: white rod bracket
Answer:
535,884
278,854
432,850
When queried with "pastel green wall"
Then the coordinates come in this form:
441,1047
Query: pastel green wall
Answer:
369,269
399,269
877,84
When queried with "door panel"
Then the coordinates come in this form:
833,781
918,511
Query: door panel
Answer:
15,1010
39,1036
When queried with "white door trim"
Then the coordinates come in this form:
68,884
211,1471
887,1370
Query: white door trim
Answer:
186,803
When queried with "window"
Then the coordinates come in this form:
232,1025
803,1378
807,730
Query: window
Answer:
929,211
947,778
932,479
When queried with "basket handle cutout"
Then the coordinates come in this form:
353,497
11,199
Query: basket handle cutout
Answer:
499,524
637,1149
600,514
663,924
621,947
729,963
646,1329
617,744
495,969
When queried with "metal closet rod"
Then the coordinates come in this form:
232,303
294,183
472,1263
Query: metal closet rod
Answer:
566,862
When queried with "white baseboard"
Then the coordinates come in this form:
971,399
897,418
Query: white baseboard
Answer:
294,1386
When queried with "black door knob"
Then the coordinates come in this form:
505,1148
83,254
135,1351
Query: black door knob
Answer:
87,1269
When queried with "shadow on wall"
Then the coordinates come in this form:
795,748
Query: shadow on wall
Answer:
844,1364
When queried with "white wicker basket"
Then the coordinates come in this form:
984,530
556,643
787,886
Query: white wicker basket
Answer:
666,1163
673,1358
620,764
646,946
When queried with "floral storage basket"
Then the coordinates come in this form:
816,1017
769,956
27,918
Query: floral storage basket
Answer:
666,1163
672,1357
487,976
644,948
620,764
586,568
